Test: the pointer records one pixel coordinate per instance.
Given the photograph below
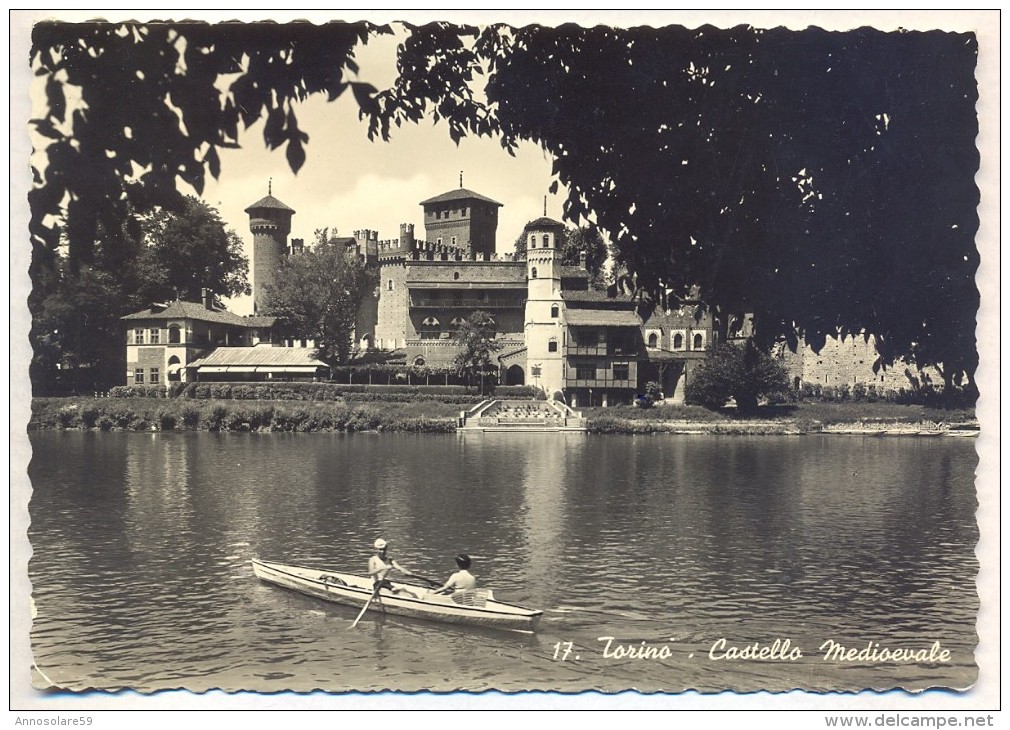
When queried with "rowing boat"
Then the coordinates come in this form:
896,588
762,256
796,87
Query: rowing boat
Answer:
476,607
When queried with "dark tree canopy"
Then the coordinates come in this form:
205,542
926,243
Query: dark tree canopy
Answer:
738,371
823,181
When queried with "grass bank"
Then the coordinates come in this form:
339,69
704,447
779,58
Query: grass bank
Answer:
146,414
432,416
802,417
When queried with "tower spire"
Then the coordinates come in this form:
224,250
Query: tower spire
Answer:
461,178
545,206
270,186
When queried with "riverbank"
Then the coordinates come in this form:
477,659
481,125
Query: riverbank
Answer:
172,414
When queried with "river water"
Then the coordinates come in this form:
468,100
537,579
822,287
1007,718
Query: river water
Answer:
693,545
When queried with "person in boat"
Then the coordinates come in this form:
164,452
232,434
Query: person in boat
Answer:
379,566
462,579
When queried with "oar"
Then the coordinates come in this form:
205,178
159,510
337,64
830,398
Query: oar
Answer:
430,581
365,607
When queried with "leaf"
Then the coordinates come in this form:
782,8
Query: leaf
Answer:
273,132
213,162
295,155
57,100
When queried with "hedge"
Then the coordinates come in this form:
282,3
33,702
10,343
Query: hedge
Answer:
317,392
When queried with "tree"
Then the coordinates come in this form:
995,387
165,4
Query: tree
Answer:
190,250
823,181
316,295
742,372
805,176
475,338
77,335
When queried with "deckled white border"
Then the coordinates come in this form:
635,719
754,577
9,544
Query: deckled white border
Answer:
985,694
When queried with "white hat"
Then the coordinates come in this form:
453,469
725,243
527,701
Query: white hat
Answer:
380,543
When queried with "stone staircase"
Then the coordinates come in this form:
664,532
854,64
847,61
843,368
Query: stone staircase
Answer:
521,416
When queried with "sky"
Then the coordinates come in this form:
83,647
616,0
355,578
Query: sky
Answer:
351,183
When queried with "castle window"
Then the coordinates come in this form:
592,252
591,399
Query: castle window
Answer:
419,362
533,273
439,240
155,336
653,339
455,275
552,344
533,241
699,341
453,240
174,334
554,311
155,377
585,372
138,336
622,371
462,211
138,376
457,321
678,341
430,322
547,240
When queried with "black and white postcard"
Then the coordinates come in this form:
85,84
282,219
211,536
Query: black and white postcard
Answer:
484,360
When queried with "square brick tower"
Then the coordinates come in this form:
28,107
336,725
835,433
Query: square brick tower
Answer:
464,219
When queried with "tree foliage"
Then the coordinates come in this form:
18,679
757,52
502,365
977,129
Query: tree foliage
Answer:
76,323
823,181
316,295
475,338
739,371
187,251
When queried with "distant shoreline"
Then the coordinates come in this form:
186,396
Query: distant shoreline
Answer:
181,414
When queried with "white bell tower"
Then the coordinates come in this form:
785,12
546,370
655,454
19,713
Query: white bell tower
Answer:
545,317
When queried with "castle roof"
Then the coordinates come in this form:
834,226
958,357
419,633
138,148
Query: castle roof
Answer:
544,222
195,310
459,194
269,202
595,296
602,318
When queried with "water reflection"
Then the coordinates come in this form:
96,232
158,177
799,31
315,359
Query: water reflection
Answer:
142,545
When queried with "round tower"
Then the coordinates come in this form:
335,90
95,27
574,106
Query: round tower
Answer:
270,223
545,310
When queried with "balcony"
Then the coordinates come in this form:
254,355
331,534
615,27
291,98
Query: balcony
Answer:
574,382
435,303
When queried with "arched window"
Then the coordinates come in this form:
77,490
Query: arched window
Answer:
389,285
547,241
653,339
455,275
174,334
430,322
457,321
533,273
699,341
552,344
678,341
533,241
419,361
554,311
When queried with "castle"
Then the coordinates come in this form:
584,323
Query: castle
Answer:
554,330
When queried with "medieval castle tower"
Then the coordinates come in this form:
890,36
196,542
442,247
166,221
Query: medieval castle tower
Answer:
270,223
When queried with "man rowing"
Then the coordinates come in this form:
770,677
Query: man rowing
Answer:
379,566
